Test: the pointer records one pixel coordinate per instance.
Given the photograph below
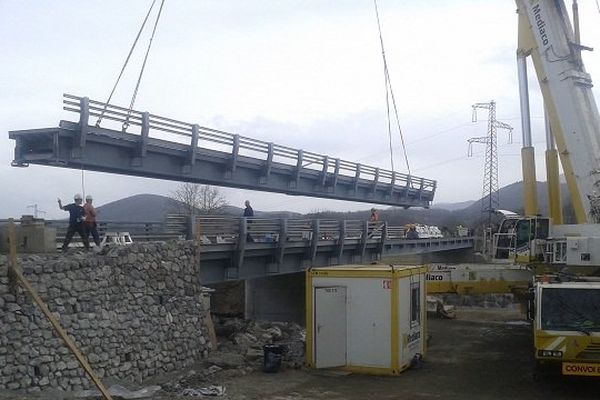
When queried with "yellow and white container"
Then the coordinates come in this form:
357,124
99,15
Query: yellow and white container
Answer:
366,319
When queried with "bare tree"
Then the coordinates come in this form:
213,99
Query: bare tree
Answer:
193,198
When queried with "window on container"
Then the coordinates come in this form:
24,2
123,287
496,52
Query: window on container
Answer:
415,303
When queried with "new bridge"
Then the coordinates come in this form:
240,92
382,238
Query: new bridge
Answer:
244,248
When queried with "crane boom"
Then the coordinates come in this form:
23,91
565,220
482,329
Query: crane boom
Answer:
545,33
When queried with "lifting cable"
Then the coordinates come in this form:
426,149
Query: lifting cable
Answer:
126,124
125,64
137,85
389,92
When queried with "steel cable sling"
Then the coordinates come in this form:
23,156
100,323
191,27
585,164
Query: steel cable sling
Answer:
389,92
134,96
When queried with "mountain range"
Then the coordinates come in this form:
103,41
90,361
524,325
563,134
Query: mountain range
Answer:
154,208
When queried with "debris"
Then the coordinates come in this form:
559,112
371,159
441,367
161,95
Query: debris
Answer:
213,390
436,306
213,369
248,338
119,391
226,359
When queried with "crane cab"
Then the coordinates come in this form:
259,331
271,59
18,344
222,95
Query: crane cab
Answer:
521,239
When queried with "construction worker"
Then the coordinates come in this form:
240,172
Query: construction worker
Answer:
90,220
248,211
76,218
374,215
412,232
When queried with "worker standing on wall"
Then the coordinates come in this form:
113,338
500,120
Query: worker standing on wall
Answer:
90,223
76,218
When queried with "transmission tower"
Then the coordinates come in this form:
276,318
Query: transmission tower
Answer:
490,200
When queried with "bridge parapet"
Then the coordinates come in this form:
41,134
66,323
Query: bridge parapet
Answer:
239,248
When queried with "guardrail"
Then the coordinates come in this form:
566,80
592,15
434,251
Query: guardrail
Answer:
240,248
219,230
213,230
139,231
199,136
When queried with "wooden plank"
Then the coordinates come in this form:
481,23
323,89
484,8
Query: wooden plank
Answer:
212,335
13,265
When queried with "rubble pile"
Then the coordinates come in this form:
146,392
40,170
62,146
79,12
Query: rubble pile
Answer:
481,300
241,342
134,312
239,353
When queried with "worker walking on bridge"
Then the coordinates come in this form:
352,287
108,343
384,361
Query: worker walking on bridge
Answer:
76,218
90,220
248,211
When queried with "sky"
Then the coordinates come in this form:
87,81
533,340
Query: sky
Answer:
301,73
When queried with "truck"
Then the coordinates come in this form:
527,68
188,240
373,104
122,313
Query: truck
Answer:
566,324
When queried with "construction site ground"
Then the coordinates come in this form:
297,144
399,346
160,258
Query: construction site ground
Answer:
482,354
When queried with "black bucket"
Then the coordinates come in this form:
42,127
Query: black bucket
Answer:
273,354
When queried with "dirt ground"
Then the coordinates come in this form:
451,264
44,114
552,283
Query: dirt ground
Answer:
480,355
483,354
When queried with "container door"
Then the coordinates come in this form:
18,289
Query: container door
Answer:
330,326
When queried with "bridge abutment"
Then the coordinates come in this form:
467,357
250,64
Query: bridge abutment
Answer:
134,311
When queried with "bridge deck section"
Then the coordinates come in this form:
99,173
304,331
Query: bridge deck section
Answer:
143,144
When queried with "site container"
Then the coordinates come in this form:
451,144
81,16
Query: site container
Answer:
366,319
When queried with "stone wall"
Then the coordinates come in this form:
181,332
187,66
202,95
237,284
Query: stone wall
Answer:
134,311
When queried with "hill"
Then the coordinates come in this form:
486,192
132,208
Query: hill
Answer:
511,199
151,207
154,208
138,208
453,206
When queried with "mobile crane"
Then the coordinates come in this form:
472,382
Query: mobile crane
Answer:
562,261
564,298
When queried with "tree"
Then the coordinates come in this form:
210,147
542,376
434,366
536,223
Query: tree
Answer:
193,198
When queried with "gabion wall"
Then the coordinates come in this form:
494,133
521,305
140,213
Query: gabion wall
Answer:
134,311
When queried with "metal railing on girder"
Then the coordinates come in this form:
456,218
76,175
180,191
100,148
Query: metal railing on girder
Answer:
199,136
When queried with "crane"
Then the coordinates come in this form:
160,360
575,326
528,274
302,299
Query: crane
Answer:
562,261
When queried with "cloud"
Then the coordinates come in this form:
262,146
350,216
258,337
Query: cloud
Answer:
305,74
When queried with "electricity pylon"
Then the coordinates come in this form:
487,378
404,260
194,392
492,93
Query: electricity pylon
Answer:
490,200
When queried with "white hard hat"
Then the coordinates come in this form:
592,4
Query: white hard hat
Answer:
88,197
77,197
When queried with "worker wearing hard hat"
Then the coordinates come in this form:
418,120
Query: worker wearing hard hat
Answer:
76,218
90,220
